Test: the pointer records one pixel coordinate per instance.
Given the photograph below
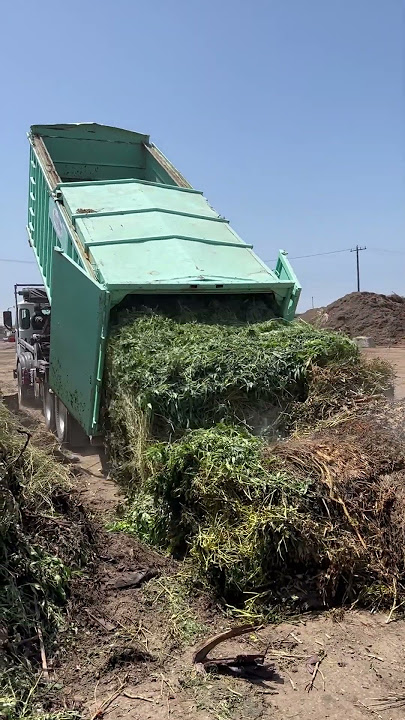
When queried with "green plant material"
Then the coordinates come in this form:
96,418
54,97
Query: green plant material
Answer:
144,518
43,542
191,375
193,403
24,695
215,695
172,594
253,518
165,375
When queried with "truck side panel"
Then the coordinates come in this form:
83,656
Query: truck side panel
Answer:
284,272
80,309
46,227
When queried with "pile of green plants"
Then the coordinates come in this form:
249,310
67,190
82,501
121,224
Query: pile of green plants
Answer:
43,541
167,375
304,523
201,414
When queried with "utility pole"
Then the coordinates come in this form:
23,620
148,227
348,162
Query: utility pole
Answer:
357,250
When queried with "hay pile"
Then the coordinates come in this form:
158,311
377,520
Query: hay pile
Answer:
43,539
209,481
381,317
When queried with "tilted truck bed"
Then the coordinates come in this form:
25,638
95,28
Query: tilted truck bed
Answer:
109,216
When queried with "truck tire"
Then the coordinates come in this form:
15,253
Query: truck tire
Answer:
48,406
26,396
68,430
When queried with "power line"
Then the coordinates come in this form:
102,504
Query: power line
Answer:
23,262
295,257
357,249
333,252
329,252
383,250
299,257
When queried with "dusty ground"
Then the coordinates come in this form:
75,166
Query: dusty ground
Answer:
8,385
131,647
395,356
141,637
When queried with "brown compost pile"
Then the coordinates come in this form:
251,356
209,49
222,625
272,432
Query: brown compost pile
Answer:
381,317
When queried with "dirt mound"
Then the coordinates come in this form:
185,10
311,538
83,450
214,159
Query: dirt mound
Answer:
381,317
312,315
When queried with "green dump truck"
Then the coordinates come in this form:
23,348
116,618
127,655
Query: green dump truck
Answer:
111,220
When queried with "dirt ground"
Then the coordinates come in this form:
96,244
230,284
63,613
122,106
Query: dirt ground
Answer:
126,651
143,639
8,385
395,356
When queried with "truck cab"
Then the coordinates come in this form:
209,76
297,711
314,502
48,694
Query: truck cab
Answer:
32,315
32,339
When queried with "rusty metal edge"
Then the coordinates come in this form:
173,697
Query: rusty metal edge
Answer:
46,162
53,180
166,165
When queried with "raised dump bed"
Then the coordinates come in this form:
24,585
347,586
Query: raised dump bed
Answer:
110,217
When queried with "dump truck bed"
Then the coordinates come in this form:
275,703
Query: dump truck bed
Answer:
110,216
155,238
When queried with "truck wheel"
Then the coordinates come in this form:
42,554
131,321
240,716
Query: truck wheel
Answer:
48,405
26,394
68,430
61,418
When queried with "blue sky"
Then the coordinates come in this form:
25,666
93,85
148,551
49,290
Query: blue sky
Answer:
288,114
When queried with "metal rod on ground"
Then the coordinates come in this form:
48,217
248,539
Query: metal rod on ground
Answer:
357,250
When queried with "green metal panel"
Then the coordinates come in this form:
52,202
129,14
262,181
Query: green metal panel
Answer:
80,310
139,235
285,272
46,228
94,152
130,196
96,160
149,237
89,131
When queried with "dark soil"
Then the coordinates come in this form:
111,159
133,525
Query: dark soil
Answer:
381,317
109,640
